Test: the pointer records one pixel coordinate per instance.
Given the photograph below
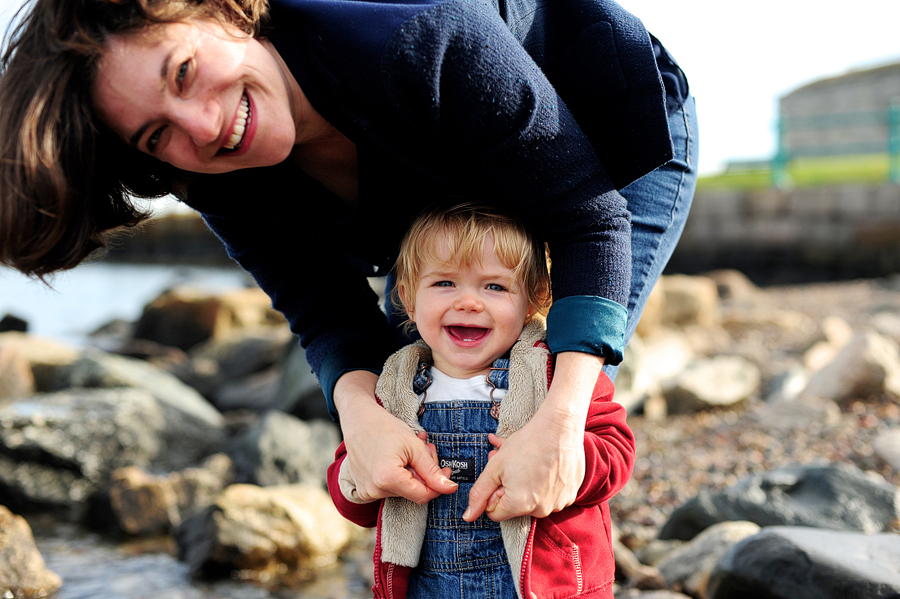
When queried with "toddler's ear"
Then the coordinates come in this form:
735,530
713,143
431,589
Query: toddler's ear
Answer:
404,299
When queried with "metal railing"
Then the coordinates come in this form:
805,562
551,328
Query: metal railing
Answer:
889,144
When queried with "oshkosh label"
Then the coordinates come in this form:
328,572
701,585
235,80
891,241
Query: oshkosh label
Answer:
463,469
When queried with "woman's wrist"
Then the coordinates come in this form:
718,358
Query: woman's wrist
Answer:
354,392
574,378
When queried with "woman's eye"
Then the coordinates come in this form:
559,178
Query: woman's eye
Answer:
154,138
182,72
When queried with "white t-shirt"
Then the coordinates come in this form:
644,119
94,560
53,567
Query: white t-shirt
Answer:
447,388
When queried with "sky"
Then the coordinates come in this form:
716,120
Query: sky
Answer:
740,57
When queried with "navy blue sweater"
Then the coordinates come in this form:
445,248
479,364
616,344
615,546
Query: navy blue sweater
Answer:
452,98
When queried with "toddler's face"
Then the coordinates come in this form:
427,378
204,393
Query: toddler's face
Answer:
468,316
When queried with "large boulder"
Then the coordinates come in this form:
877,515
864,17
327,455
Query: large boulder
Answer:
97,369
184,317
689,300
868,364
808,563
284,531
23,572
58,449
688,568
281,449
143,504
44,355
16,377
836,497
713,382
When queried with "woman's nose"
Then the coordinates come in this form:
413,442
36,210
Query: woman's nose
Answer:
201,120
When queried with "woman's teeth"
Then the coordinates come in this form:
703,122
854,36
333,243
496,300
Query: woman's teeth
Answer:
240,125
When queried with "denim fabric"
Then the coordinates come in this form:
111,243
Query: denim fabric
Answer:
659,203
460,560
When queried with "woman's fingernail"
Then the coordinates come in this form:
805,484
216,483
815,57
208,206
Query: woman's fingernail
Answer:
467,513
447,481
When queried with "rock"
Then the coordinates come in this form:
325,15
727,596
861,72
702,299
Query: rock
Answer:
281,449
837,333
96,369
690,300
16,377
808,563
649,364
652,315
733,286
291,528
787,385
23,572
58,449
299,392
44,355
688,568
887,447
255,392
887,324
718,381
868,364
11,322
184,317
144,504
800,412
835,497
638,594
223,360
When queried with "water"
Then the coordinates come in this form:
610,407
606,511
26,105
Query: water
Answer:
91,295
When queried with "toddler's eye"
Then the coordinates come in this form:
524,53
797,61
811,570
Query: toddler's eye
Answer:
444,284
496,287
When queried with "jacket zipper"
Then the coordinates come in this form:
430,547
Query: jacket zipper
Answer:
390,581
526,557
576,559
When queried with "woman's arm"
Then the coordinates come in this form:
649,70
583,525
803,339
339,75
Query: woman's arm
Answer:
386,456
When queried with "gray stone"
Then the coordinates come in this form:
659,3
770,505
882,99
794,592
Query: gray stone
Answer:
96,369
807,563
688,567
23,572
887,447
59,448
836,497
281,449
298,391
690,300
45,356
718,381
280,530
868,364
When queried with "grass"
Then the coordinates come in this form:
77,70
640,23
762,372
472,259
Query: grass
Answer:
807,172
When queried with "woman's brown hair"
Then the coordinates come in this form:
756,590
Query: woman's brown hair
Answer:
66,180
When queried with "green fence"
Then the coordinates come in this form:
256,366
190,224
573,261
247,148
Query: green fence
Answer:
889,118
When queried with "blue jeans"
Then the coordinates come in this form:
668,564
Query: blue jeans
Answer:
461,560
659,203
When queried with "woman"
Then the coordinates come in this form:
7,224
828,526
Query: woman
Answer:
308,133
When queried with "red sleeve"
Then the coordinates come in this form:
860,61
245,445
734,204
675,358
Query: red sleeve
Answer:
361,514
608,447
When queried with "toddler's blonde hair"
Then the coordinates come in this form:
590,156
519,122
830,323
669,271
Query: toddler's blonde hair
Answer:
465,227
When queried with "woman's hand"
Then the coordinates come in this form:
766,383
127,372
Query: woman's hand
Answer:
539,469
386,457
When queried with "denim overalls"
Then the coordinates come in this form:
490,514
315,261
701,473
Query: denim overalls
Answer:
461,560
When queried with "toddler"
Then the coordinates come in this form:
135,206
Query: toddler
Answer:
476,286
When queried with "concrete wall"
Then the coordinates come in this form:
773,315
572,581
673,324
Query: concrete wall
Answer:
779,236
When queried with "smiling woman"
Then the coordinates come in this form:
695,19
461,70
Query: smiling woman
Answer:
310,133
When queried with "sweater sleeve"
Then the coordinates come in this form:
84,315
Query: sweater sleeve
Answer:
609,448
493,120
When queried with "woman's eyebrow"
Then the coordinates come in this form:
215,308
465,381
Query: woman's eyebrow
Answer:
163,74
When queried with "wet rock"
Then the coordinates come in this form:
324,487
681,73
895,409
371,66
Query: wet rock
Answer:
96,369
688,568
807,563
224,360
281,449
184,317
718,381
58,449
145,504
690,300
868,364
887,447
44,355
16,377
835,497
11,322
23,572
281,531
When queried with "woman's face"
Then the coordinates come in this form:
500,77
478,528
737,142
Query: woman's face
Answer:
198,97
